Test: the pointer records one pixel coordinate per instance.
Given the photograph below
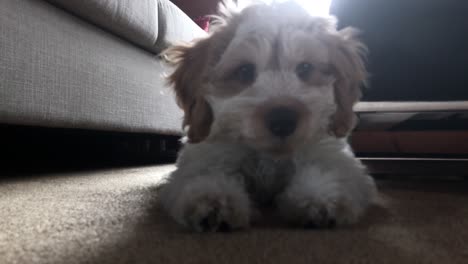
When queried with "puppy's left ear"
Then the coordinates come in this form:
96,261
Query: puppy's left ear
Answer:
348,64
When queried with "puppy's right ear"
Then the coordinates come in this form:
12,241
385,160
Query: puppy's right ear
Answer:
190,62
193,63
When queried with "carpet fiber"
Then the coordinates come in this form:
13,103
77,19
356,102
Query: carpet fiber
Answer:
112,216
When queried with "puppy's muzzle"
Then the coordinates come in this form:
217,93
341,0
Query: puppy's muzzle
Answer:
282,121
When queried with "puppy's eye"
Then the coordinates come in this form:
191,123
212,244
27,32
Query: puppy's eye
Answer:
245,73
304,70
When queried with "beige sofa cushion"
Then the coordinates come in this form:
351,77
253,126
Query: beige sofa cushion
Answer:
150,24
134,20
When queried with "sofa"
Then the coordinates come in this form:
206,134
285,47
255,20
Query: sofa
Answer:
90,64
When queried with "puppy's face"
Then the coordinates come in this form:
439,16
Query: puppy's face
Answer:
272,77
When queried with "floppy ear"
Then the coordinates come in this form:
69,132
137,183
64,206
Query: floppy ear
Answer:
193,63
187,80
348,64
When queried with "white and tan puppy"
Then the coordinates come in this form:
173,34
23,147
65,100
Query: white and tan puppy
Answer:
268,100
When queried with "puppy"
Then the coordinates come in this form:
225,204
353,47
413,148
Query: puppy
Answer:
268,100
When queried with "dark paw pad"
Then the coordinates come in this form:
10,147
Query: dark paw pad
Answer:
213,222
331,223
224,227
321,220
210,222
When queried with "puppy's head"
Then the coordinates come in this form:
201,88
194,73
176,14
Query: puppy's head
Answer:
272,77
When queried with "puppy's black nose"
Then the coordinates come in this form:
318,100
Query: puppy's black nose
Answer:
282,121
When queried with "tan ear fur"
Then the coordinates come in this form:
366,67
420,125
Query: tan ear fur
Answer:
187,81
192,64
348,64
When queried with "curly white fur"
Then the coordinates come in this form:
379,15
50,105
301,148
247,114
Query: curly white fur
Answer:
233,164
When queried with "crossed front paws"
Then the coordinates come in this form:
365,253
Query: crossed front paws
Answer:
217,208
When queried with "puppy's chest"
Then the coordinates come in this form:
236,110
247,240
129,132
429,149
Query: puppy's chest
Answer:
265,178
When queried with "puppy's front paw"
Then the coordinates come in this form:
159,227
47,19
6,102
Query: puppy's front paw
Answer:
310,212
215,213
322,215
314,212
214,208
327,199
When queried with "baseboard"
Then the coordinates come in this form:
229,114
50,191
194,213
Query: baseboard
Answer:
419,168
410,143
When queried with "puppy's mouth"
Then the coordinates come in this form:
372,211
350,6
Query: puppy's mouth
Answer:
280,147
277,147
280,150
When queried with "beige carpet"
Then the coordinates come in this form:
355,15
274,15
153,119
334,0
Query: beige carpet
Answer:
111,216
